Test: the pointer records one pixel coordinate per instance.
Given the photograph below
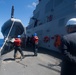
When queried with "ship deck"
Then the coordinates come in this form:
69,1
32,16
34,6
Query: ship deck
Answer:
46,63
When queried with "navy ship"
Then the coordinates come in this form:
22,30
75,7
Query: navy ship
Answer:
49,19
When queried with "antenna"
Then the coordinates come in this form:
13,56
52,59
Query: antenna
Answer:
12,12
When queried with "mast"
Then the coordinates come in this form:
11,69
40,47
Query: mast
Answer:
12,12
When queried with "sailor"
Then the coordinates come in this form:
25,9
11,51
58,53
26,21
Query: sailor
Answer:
68,47
17,44
35,43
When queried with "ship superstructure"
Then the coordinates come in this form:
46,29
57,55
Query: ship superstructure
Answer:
49,19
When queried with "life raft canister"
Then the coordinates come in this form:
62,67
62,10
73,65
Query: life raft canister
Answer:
46,39
57,40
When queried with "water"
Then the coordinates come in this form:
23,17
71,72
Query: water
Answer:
1,42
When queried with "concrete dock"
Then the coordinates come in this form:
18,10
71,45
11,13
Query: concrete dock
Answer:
46,63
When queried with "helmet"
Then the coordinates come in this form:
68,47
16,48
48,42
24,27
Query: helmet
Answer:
19,36
71,22
35,34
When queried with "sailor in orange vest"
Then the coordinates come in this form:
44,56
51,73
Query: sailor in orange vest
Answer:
35,44
17,47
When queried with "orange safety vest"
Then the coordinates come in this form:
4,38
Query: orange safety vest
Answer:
36,39
17,42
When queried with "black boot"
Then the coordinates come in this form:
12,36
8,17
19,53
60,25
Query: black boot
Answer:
35,53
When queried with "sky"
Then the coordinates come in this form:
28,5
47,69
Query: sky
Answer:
23,10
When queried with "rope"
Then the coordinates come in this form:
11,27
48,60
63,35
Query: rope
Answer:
7,36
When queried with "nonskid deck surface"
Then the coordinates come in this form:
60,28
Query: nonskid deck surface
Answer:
43,64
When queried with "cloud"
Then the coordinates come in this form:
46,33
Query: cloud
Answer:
1,36
30,6
33,5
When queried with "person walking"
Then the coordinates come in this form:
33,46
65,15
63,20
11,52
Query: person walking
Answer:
68,48
35,44
17,47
